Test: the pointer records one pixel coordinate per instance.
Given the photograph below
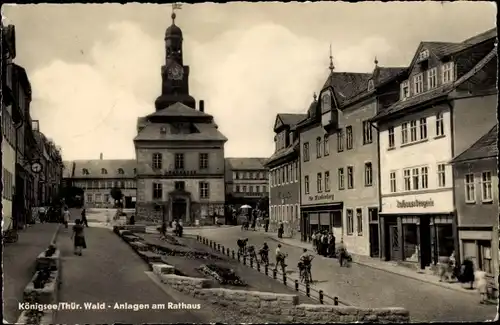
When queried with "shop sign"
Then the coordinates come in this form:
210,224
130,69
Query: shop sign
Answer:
319,197
414,204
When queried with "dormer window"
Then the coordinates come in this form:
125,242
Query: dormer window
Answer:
432,78
418,83
85,171
104,171
448,72
121,171
424,55
405,89
371,85
326,102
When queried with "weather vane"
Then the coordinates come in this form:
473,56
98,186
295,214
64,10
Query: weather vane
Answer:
175,6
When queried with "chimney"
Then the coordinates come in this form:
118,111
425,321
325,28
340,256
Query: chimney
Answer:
100,156
202,106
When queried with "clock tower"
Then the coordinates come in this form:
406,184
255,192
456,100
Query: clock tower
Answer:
174,74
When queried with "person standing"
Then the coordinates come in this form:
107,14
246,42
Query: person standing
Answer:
66,217
84,218
79,237
41,214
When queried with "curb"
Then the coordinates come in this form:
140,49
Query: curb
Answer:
471,292
54,237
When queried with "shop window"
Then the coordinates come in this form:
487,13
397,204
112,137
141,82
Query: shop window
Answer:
444,239
410,242
485,263
469,251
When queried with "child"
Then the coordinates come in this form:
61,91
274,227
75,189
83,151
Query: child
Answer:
481,285
79,238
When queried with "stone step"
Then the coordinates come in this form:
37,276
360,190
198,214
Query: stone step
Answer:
139,246
130,238
161,268
150,257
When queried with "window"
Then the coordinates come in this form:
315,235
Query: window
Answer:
404,133
392,180
306,151
350,177
326,145
350,222
418,83
8,185
439,124
486,187
318,147
359,221
415,181
264,189
340,140
319,183
306,184
413,131
204,190
392,140
157,160
106,198
407,179
257,189
179,161
485,261
327,181
285,172
441,175
240,175
432,78
85,171
423,55
89,198
157,191
104,171
470,189
341,178
237,189
423,128
424,173
448,73
368,174
370,85
296,171
405,89
120,171
243,189
180,186
203,160
348,131
367,132
98,197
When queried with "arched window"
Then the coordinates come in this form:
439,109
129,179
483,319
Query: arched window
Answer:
318,147
120,171
85,171
104,171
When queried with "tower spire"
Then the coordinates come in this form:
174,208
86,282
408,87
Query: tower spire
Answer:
175,6
375,61
331,66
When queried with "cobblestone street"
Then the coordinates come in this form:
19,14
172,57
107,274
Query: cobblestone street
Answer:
364,286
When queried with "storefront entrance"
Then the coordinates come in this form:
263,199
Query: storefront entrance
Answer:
322,218
180,206
394,243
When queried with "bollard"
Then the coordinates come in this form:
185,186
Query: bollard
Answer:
223,249
321,297
308,290
233,254
336,301
296,285
210,243
198,237
275,273
244,260
251,262
284,278
227,252
266,269
204,240
218,247
239,256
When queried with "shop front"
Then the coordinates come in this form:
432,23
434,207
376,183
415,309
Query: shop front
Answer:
323,217
417,228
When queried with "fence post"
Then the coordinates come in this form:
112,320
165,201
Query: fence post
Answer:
296,285
336,301
308,290
227,252
251,262
233,253
218,247
284,278
244,260
321,297
275,273
266,269
223,249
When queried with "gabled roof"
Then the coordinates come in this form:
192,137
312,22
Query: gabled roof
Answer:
442,91
347,84
282,153
246,163
112,166
206,132
179,109
485,147
286,119
481,37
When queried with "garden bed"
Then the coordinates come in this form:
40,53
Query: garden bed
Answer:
221,274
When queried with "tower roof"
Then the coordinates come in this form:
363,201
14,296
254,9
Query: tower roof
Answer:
173,30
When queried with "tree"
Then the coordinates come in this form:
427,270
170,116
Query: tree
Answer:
116,194
72,195
263,204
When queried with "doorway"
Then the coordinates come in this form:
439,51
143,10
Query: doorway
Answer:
395,245
374,240
179,207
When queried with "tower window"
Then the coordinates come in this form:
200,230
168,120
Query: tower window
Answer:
120,171
104,171
85,171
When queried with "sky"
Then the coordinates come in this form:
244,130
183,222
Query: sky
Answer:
95,69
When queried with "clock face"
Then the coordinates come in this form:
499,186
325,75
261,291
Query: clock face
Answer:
176,72
36,167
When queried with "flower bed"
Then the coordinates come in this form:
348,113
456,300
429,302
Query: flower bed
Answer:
187,254
222,274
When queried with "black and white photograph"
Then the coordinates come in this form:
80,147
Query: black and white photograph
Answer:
250,162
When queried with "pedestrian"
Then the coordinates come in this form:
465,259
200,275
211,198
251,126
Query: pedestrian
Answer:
467,272
78,237
481,285
331,245
281,229
324,246
41,214
84,218
132,220
314,242
266,225
66,217
254,222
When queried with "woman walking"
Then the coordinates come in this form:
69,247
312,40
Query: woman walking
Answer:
79,237
84,218
66,216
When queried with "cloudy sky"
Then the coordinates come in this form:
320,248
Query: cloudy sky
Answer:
95,68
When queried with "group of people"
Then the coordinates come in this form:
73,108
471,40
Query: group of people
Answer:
324,244
177,228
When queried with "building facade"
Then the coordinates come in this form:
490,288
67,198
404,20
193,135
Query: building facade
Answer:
284,180
476,194
417,218
339,158
98,177
246,181
179,150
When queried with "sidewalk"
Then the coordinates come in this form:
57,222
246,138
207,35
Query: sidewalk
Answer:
376,263
19,264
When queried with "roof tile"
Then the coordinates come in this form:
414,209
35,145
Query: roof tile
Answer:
207,132
246,163
112,167
485,147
